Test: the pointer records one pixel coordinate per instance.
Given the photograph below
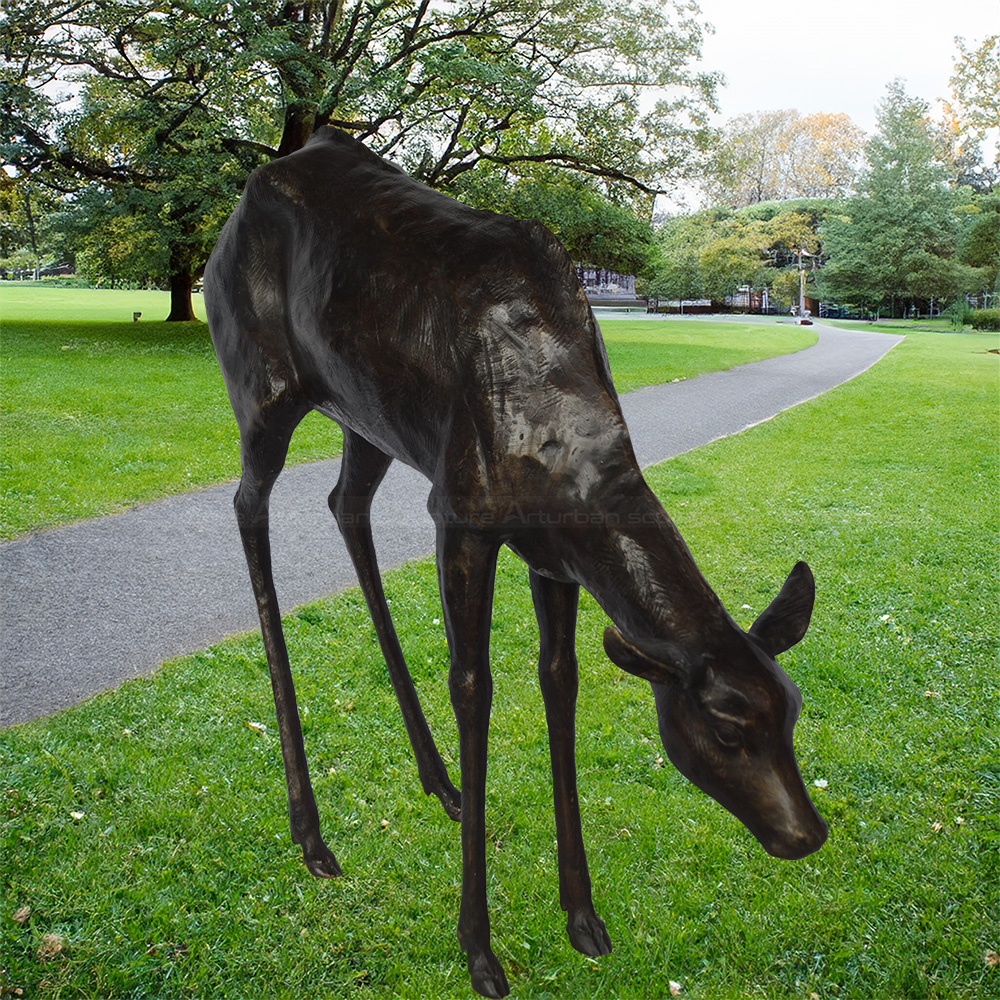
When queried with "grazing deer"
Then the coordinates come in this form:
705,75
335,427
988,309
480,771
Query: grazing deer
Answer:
460,342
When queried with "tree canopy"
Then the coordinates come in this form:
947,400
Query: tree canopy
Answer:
899,238
976,85
130,126
714,253
780,155
171,105
909,229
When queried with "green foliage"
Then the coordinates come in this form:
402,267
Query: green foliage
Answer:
595,230
779,155
674,261
179,102
976,82
145,832
958,313
898,239
65,281
985,319
714,253
733,259
153,173
765,211
27,241
981,247
121,250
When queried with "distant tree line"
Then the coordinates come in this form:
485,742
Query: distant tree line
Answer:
128,128
914,224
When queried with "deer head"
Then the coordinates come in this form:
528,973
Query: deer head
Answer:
726,714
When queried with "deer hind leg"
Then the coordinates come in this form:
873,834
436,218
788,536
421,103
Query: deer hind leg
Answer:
264,447
466,572
362,469
555,608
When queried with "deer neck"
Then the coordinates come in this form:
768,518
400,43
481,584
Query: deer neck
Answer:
641,572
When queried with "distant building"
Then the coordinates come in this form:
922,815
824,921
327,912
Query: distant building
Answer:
603,285
683,307
749,300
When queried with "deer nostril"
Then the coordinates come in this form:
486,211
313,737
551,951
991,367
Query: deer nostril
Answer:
797,842
810,839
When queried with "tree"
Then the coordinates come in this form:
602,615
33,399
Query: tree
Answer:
674,271
981,247
26,237
447,86
976,85
961,150
120,248
733,259
18,235
138,127
779,155
744,168
180,101
716,252
594,229
972,116
897,240
823,152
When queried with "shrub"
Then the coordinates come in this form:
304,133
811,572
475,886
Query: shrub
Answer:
67,281
985,319
959,313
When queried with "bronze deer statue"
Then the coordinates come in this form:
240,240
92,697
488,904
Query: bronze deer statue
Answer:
461,343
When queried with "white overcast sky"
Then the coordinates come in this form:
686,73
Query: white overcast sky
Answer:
837,55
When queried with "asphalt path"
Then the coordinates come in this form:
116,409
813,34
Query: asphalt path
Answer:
85,607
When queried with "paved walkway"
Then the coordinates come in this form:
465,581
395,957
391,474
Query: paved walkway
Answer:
84,607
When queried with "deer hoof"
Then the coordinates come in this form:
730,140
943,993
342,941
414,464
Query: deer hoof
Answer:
588,934
487,975
322,863
447,793
451,799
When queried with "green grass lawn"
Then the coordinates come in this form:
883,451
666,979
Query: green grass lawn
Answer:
898,325
41,301
642,352
97,416
145,842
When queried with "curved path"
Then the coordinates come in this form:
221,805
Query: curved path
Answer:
87,606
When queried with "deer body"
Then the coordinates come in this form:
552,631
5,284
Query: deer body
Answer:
460,342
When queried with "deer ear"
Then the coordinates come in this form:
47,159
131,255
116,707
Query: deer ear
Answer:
651,659
785,620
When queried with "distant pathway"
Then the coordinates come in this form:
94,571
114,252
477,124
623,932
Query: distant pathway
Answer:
84,607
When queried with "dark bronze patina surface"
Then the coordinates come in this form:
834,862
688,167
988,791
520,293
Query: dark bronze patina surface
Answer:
460,342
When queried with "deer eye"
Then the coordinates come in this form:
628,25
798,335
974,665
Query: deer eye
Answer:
727,729
727,733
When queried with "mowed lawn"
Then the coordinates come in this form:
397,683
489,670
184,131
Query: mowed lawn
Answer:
98,413
145,842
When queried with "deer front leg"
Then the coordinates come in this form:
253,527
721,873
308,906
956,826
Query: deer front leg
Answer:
555,607
466,571
362,469
262,458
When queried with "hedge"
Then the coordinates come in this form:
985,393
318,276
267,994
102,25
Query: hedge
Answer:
985,319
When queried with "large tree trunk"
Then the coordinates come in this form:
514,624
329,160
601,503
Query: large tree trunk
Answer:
300,123
181,307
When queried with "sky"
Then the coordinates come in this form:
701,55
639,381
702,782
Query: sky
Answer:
837,55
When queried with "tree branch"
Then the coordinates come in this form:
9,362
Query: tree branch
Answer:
576,163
